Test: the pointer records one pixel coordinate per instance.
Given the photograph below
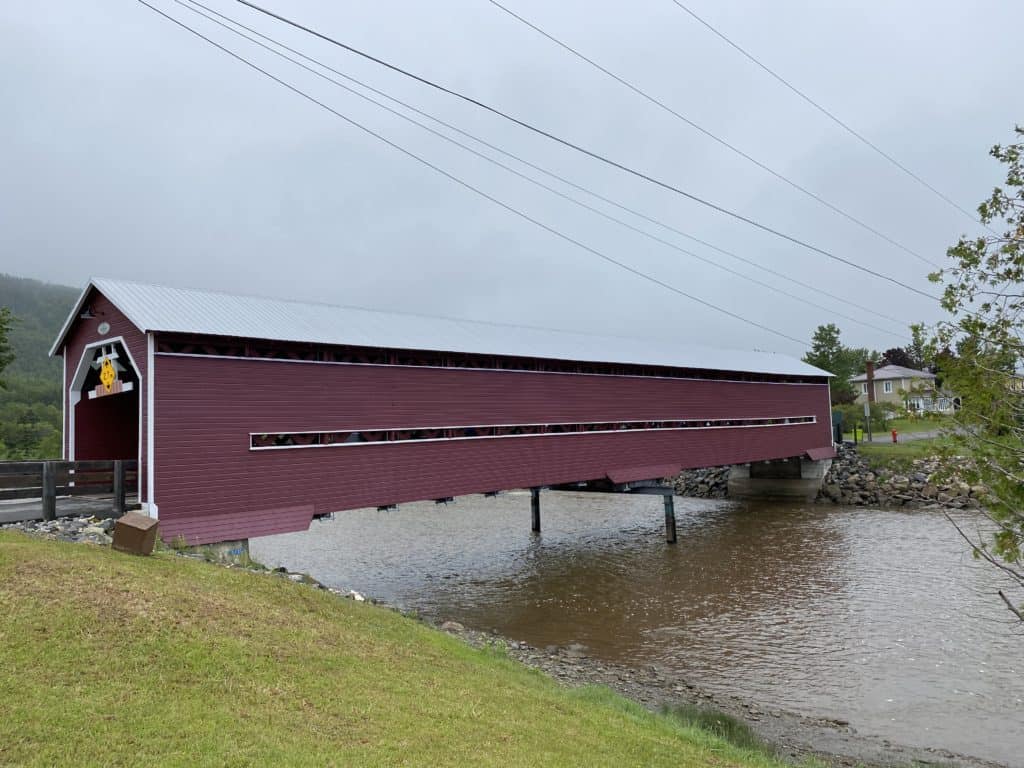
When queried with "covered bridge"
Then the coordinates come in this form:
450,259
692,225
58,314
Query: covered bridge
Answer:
249,416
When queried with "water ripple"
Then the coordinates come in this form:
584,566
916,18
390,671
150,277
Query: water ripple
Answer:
876,616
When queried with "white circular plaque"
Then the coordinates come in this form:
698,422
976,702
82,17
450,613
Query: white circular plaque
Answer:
103,328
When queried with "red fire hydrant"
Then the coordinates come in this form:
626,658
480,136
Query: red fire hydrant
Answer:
894,435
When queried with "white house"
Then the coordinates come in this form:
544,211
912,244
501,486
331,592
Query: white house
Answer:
906,387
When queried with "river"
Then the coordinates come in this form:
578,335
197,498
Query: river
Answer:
873,616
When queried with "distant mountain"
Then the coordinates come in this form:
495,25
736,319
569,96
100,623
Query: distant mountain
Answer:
39,310
30,406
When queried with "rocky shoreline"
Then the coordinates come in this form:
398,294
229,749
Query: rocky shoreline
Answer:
795,736
851,481
77,530
928,482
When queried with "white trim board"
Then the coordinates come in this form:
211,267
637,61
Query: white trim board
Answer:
73,391
151,506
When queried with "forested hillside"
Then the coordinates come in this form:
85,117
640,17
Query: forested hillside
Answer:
30,406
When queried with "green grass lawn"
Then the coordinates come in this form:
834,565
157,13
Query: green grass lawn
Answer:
108,659
898,457
907,426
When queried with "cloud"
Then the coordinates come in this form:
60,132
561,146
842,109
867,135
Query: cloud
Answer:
133,150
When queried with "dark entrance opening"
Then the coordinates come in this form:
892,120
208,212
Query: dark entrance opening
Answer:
106,414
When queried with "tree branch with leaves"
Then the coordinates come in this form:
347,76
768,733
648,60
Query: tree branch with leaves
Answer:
982,293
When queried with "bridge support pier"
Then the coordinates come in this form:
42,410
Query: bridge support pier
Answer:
644,487
654,488
670,518
535,509
794,479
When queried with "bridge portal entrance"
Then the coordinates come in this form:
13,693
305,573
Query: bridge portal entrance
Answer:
104,404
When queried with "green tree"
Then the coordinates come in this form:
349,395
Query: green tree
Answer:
828,353
6,354
915,354
983,294
899,356
919,348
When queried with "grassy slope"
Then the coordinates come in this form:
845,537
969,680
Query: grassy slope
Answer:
109,659
898,457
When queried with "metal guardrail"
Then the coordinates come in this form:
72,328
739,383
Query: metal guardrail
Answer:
46,480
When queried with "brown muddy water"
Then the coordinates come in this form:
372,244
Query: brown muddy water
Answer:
877,617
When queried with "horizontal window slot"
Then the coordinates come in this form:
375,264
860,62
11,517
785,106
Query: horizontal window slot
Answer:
261,441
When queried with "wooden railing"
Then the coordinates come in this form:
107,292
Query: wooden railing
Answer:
46,480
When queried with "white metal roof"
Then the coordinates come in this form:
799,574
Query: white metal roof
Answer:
886,372
178,310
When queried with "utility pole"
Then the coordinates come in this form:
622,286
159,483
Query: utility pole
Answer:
870,371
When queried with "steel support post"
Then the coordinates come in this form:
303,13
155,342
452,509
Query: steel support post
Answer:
535,509
670,518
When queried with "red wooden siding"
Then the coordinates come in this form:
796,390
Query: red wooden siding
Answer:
209,486
83,332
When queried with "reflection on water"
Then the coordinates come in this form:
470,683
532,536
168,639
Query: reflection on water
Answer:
877,617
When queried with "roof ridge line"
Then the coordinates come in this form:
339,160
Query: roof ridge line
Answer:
406,313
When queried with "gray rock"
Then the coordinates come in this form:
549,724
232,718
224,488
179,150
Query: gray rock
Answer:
452,626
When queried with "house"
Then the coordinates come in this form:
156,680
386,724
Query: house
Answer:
906,388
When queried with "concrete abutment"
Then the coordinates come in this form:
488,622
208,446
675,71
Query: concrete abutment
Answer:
794,478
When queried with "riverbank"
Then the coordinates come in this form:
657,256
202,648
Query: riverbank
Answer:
912,474
796,736
111,659
908,474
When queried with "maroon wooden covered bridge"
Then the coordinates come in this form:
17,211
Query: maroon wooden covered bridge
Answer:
249,416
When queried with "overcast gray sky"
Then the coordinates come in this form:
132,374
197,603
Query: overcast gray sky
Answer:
131,149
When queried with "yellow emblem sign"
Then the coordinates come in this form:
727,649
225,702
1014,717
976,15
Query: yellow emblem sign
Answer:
108,375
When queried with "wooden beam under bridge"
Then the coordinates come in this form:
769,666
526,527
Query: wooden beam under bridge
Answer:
644,487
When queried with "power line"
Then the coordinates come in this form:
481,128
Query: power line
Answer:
830,115
718,139
467,185
592,154
550,174
491,160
